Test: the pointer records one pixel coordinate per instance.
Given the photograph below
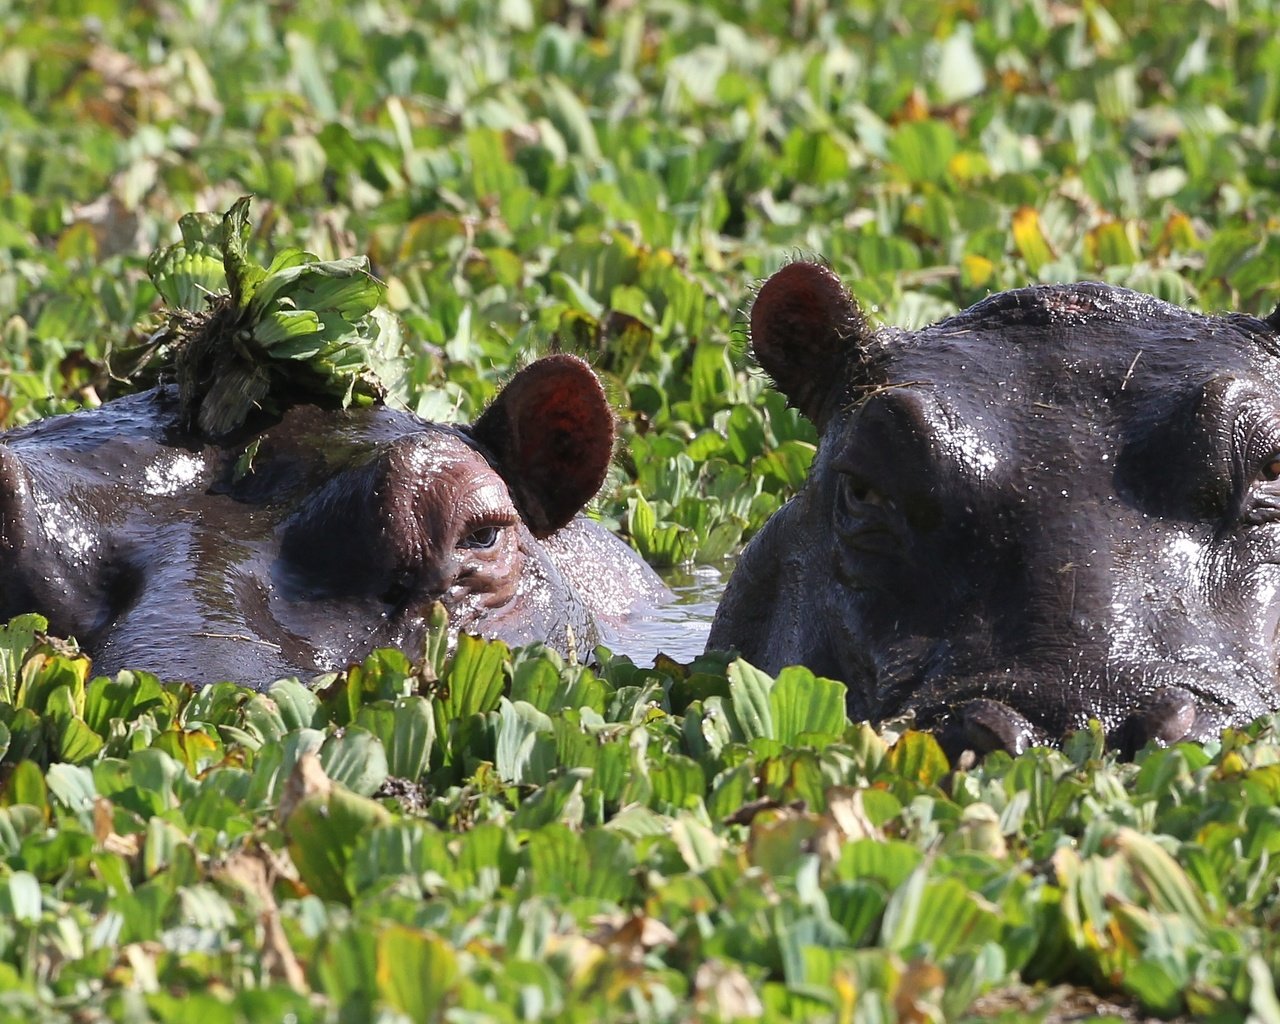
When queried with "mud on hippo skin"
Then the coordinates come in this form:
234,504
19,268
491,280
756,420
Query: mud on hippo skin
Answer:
302,544
1060,504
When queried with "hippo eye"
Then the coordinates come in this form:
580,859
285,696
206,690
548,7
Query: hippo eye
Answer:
480,539
858,492
867,495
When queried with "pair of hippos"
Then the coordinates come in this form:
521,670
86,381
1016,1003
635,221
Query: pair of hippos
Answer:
1062,504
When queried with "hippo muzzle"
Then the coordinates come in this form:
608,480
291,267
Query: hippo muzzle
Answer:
1162,704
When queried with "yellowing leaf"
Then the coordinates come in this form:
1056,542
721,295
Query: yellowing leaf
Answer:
1029,239
1178,235
976,271
918,756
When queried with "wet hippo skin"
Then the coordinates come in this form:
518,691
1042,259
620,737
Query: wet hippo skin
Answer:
306,541
1058,505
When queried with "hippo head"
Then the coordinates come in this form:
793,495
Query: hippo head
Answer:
308,540
1062,504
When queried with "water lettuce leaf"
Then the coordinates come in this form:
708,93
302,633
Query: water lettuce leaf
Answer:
244,337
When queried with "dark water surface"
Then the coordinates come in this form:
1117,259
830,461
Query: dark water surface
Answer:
680,629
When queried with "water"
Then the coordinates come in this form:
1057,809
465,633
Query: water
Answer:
679,629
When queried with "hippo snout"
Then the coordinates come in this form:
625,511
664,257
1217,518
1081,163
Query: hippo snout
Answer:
1013,715
982,726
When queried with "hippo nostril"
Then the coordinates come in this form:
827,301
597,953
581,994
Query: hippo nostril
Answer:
1169,716
123,582
984,725
1172,714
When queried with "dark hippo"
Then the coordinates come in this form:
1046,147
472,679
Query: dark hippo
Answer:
303,543
1061,504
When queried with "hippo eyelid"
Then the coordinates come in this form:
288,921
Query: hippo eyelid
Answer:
1257,443
1261,505
483,523
484,508
1257,471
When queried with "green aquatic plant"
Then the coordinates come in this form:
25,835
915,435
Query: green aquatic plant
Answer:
242,336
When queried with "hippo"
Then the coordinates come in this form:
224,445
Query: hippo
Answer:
312,536
1060,505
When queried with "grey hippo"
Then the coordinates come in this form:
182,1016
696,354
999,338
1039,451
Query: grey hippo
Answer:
1061,504
308,538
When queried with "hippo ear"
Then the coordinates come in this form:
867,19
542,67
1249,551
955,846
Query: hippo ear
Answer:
809,335
550,432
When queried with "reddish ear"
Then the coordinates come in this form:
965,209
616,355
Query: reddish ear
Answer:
550,431
808,334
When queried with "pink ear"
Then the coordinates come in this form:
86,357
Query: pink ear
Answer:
550,431
808,333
